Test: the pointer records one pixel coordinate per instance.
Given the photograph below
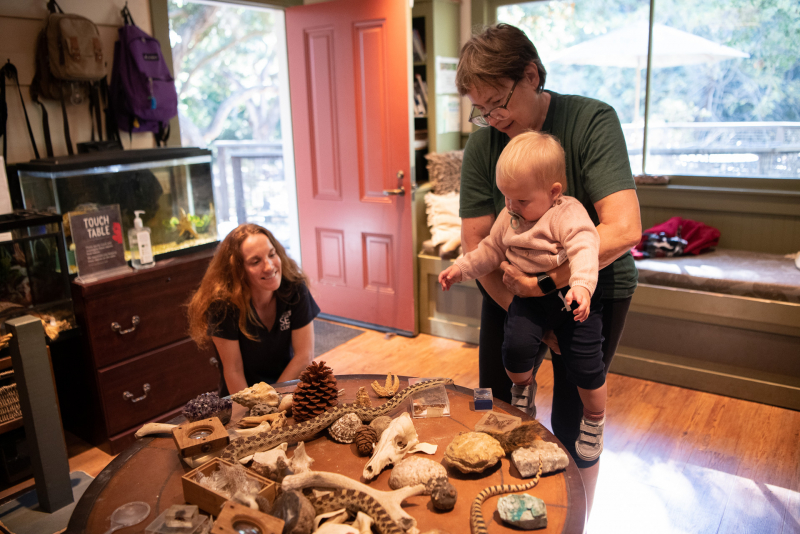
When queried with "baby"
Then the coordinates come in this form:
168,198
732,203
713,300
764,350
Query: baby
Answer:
538,230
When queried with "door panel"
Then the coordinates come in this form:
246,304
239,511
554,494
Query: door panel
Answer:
349,81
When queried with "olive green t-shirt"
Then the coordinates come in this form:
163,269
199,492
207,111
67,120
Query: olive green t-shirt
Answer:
597,166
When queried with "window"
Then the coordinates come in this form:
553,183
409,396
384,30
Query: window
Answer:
725,81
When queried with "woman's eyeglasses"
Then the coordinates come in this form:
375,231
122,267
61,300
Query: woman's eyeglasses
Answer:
500,113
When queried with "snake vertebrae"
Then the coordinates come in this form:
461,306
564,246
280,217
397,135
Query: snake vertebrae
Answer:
356,501
476,515
264,441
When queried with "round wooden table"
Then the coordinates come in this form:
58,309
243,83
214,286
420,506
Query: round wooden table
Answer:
151,471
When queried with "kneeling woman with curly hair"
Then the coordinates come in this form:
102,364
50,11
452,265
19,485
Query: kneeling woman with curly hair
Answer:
255,306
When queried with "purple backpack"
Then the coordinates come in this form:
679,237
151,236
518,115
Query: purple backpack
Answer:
142,93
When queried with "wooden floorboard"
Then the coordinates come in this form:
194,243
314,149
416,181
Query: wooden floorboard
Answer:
675,460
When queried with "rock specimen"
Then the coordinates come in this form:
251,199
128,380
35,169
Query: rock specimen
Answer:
524,511
473,452
208,405
272,464
416,470
380,424
315,392
443,494
526,459
261,393
262,409
344,430
366,438
296,511
362,398
286,403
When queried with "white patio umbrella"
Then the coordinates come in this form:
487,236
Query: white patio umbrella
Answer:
627,47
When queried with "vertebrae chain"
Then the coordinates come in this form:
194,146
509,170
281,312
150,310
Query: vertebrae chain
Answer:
264,441
476,515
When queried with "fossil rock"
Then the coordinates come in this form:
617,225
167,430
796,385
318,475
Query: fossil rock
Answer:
380,424
261,393
344,430
296,511
524,511
362,398
473,452
443,494
389,389
262,409
416,470
526,459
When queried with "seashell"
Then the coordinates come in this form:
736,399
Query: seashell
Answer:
362,398
473,452
416,470
443,495
261,393
380,424
344,430
286,403
262,409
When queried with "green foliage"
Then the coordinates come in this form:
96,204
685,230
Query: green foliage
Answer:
226,70
763,87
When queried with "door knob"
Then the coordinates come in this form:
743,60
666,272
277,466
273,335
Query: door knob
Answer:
399,191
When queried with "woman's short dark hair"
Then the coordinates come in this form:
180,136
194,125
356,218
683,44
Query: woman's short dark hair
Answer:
496,53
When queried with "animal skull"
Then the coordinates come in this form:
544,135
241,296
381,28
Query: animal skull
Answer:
395,441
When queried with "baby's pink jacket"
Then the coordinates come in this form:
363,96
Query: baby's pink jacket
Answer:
564,232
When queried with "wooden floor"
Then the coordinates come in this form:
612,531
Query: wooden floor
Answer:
675,460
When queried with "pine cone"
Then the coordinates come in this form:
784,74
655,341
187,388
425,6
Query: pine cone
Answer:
366,437
315,392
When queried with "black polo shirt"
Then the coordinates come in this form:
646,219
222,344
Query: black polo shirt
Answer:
265,358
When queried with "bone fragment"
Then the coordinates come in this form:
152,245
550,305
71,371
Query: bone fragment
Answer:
154,428
390,500
244,432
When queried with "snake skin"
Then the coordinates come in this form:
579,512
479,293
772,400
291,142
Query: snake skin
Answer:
264,441
476,515
356,501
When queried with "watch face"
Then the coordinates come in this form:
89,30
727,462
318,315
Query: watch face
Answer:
546,283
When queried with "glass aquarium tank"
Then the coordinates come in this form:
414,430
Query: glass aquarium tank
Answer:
33,278
171,185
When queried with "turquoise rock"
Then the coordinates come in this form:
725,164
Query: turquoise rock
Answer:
524,511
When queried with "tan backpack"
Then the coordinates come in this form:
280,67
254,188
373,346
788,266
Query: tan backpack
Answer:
69,57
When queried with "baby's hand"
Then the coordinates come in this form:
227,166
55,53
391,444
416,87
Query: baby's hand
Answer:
582,296
450,276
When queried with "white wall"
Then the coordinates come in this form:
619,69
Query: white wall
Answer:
20,23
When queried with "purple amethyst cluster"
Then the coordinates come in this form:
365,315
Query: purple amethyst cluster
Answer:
208,405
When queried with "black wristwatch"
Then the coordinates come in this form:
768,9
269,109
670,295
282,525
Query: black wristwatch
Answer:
546,283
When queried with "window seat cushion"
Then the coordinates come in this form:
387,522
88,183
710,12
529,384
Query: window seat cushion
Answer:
732,272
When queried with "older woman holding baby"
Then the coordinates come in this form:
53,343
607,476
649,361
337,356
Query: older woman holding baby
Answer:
502,75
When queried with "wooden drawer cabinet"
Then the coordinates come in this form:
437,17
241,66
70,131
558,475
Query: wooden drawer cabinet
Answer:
138,361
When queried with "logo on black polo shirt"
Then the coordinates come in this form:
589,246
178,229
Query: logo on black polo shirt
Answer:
285,320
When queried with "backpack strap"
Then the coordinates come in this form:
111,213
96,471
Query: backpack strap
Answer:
95,115
10,71
126,16
53,7
112,130
67,137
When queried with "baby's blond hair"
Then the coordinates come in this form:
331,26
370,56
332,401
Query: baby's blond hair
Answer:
535,157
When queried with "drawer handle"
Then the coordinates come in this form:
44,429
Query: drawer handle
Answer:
129,396
116,327
213,361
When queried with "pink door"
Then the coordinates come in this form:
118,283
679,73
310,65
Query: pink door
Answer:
348,76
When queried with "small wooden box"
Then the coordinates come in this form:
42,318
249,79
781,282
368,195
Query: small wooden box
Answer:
211,501
233,515
214,437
